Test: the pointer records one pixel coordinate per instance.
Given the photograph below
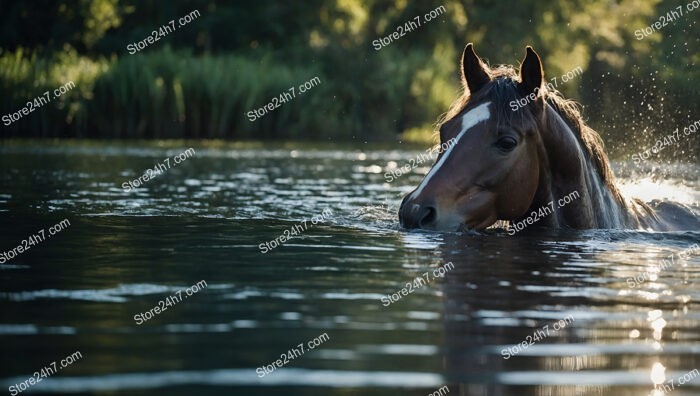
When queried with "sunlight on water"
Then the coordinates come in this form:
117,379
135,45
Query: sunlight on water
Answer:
633,322
647,189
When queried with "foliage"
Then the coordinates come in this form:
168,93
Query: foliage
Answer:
200,80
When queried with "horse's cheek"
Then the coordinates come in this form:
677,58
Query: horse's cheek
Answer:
519,190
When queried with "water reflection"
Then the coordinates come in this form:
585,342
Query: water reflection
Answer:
498,297
205,220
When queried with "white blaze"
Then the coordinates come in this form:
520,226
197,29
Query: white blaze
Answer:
469,120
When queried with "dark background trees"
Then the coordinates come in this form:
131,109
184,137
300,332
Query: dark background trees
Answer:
200,80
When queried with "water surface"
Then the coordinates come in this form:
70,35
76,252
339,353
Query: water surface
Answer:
205,218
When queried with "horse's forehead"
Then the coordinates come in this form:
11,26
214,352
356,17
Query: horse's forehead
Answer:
470,119
474,116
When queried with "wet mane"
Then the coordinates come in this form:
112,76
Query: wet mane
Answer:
503,89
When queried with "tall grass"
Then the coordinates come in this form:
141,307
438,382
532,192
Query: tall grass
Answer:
24,76
164,94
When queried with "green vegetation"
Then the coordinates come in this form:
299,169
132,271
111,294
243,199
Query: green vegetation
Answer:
200,80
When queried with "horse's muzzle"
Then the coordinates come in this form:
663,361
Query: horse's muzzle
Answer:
417,215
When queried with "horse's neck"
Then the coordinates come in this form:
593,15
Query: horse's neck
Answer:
570,169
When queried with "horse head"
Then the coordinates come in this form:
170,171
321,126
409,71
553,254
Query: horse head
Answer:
491,168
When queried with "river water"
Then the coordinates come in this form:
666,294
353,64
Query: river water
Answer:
599,311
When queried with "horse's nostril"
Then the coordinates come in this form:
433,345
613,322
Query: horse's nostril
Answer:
427,217
417,215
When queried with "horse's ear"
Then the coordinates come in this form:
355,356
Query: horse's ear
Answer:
531,74
474,74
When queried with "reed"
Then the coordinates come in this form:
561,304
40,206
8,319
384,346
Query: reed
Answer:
167,94
163,94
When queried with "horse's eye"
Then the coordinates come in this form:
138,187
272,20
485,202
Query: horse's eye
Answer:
506,143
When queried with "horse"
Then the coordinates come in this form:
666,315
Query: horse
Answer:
522,155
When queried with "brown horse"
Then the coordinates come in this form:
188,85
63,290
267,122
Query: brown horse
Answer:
522,153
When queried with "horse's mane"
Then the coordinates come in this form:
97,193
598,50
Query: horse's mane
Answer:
503,89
